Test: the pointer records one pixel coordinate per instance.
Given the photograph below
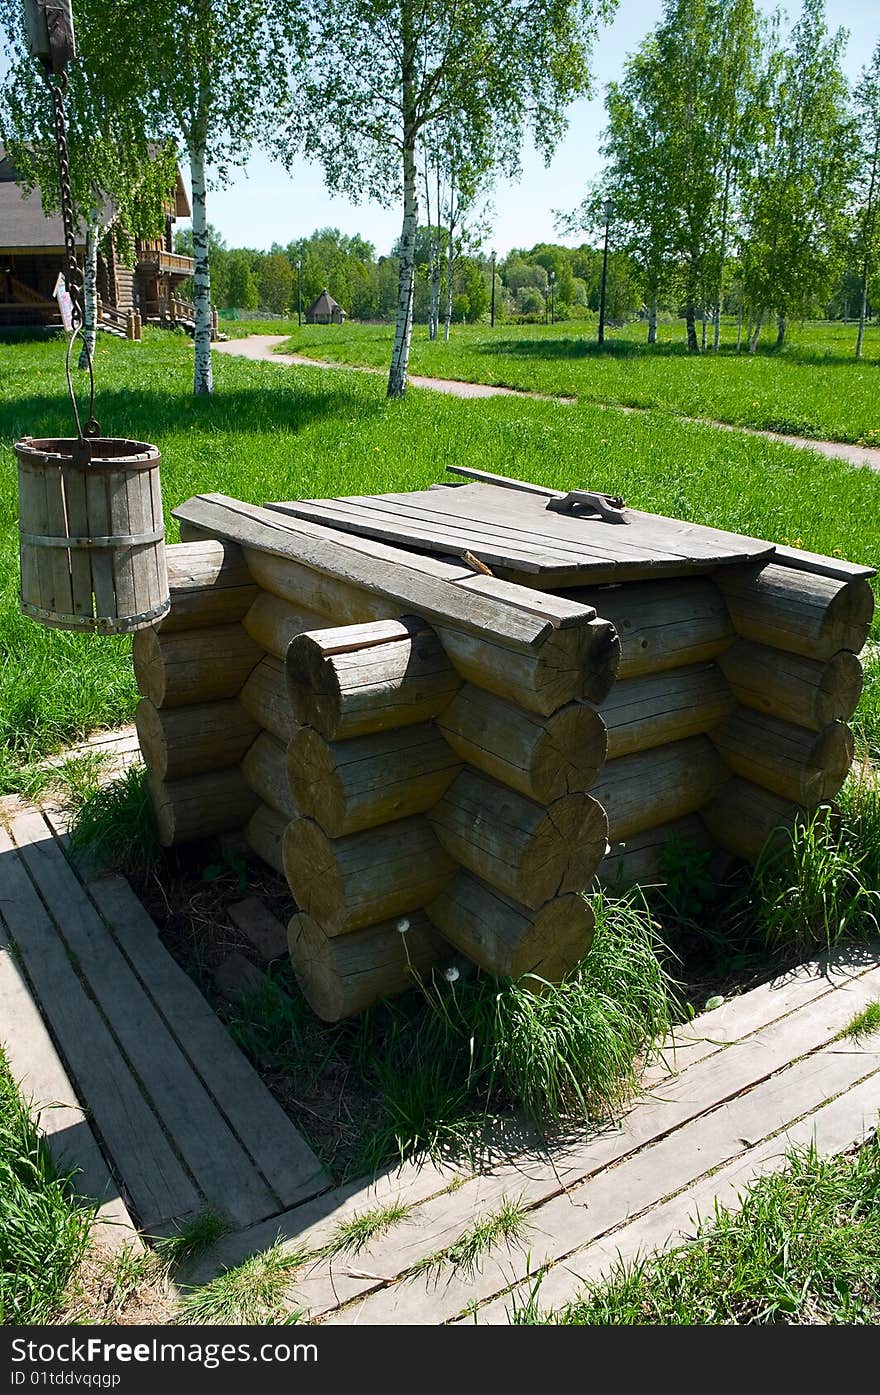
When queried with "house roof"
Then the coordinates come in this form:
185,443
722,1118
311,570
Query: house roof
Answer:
324,305
24,225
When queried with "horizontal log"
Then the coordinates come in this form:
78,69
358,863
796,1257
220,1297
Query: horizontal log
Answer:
663,624
354,680
264,697
180,741
305,589
363,878
662,707
265,770
201,806
350,785
209,583
800,612
644,858
346,974
541,757
264,835
273,623
743,818
652,787
578,661
508,939
390,572
808,692
193,666
804,766
529,852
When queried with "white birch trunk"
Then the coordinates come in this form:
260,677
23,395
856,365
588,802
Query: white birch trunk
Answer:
863,313
203,379
652,322
403,325
90,292
450,262
753,337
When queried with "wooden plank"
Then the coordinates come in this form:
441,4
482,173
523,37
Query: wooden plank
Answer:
56,519
649,537
551,1186
210,1150
835,1127
101,559
578,1214
78,523
154,1179
374,566
405,530
834,567
277,1147
44,1083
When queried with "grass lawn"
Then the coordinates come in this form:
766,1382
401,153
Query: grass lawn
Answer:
270,433
813,387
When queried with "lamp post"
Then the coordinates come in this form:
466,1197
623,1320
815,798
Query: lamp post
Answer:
608,209
299,294
552,297
492,302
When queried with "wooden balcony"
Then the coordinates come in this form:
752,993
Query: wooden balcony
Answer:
158,262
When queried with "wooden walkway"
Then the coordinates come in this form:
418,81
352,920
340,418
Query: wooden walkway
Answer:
133,1048
165,1118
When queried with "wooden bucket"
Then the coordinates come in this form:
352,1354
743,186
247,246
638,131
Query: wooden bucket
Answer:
91,535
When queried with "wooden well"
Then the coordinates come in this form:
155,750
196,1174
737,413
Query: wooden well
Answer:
91,534
441,758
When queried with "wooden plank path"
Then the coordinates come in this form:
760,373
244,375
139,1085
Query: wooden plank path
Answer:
764,1069
184,1120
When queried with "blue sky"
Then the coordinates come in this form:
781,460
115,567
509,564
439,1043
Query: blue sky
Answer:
264,204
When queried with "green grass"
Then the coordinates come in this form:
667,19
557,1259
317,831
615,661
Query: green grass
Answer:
114,823
259,1291
865,1023
191,1240
271,433
43,1233
507,1225
813,387
804,1248
352,1235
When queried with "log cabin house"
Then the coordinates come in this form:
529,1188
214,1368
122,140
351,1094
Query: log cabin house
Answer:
325,311
32,254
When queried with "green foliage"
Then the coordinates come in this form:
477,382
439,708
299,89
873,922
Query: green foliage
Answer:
865,1023
190,1240
507,1225
359,1230
257,1292
43,1234
810,888
803,1248
114,824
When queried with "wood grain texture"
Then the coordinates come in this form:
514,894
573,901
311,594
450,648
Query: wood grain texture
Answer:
801,612
193,666
809,692
807,767
265,770
663,624
345,974
662,707
541,757
743,818
209,584
265,699
181,741
578,662
273,623
200,806
653,787
528,851
361,879
264,835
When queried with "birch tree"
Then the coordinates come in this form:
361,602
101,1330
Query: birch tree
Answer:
867,225
800,176
385,75
211,74
120,180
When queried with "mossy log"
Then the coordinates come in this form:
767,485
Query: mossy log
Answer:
264,835
265,769
200,806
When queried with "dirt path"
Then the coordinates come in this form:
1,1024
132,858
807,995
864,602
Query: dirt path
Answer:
261,347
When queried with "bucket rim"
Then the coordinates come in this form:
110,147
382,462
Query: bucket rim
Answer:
110,451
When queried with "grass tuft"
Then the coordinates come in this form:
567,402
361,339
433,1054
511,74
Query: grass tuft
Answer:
115,825
360,1230
190,1240
507,1226
43,1234
255,1292
865,1023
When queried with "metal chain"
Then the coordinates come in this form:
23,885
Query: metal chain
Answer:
58,85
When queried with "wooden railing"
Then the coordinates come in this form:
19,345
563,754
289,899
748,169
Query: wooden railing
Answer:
154,258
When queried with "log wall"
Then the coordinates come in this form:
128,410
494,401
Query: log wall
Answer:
424,786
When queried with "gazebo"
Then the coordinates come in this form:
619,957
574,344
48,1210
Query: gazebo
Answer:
325,311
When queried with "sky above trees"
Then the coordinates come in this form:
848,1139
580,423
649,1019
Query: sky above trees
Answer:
264,204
